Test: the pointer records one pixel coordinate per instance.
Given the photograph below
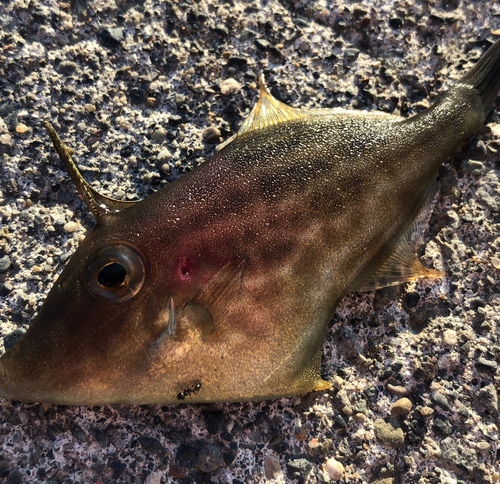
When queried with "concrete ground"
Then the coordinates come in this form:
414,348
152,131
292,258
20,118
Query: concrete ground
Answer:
133,88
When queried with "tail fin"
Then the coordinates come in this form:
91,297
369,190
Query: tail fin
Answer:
484,77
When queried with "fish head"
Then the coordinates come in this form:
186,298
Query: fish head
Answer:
121,324
126,324
88,338
97,334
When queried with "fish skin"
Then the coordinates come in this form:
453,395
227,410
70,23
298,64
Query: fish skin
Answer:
243,260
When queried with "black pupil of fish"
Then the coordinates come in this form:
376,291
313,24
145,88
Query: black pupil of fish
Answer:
112,275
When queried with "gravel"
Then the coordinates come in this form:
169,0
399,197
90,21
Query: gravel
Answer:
143,91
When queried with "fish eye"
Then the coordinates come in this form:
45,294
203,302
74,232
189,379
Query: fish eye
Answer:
116,272
113,274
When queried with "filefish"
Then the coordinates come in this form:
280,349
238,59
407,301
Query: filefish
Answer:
220,287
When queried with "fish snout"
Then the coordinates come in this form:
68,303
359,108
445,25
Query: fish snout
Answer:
20,375
9,377
4,381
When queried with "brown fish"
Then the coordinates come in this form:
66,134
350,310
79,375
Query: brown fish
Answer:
220,287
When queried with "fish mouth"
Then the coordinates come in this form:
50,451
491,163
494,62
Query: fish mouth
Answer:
8,390
16,386
16,383
4,382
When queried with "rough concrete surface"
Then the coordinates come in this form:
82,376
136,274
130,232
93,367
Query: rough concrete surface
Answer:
143,91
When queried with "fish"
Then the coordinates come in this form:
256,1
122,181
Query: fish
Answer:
220,287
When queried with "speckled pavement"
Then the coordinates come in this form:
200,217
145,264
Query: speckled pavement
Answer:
143,92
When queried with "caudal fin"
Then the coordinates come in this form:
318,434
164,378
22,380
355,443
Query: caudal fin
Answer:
484,77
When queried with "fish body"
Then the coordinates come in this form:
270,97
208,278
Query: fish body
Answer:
220,287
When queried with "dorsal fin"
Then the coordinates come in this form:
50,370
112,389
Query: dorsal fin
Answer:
403,265
98,204
269,111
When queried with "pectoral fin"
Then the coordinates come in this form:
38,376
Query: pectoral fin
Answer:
201,316
193,322
403,265
222,288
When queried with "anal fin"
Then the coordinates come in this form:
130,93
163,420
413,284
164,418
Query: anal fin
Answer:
403,265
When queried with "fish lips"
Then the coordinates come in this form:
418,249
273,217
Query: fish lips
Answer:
17,380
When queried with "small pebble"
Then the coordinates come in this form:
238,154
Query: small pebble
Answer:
67,67
396,390
272,467
483,446
337,382
6,140
179,100
299,469
70,227
4,263
154,478
402,407
164,155
209,458
389,433
211,135
342,399
426,412
313,443
21,128
360,406
110,38
440,400
450,337
255,437
334,468
159,135
263,44
442,426
6,289
487,366
229,86
175,120
347,410
487,397
463,411
495,261
151,445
